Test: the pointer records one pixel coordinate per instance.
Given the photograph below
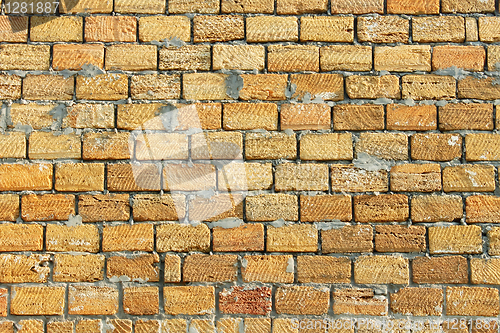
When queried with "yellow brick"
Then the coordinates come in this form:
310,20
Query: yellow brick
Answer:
346,57
466,116
270,207
436,147
459,299
24,57
474,6
159,28
201,86
411,118
493,57
357,6
404,58
110,29
21,268
469,178
13,145
471,29
301,177
21,237
373,87
92,300
292,58
247,237
418,301
182,238
335,146
131,57
262,29
106,146
104,207
217,207
381,208
152,207
10,87
35,301
89,325
141,301
325,208
56,29
248,116
438,29
416,178
142,267
193,6
327,29
348,239
80,238
484,89
133,177
161,146
220,28
188,57
125,237
305,116
323,86
275,145
383,29
358,301
60,327
14,29
140,6
389,146
482,147
436,208
47,87
86,6
189,300
110,87
261,325
155,86
292,238
47,207
32,114
302,300
455,239
247,6
243,57
267,268
347,178
422,87
494,239
350,117
198,177
489,30
323,269
483,271
43,145
297,7
266,87
9,207
482,208
26,177
381,270
78,268
30,326
245,176
210,268
79,177
83,115
74,56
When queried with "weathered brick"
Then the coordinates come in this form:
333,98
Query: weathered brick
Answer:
296,7
106,146
448,269
157,28
493,57
469,178
334,146
14,29
423,87
193,6
258,325
484,271
292,58
247,237
466,117
436,208
267,268
140,7
202,325
125,237
36,301
10,86
24,57
335,29
469,6
494,241
48,87
47,207
9,207
381,208
350,117
484,89
270,207
292,238
220,28
416,178
383,29
243,57
78,268
325,208
347,178
381,270
83,115
154,207
30,326
88,325
172,268
110,29
482,209
217,146
217,207
49,146
210,268
305,116
136,268
60,327
273,145
107,87
357,7
397,238
301,177
188,57
161,146
346,58
244,300
489,30
471,29
140,301
456,239
482,147
265,87
85,6
436,147
131,57
56,29
179,177
119,325
189,300
92,300
467,57
205,86
262,29
248,116
418,301
133,177
155,86
80,238
358,301
323,269
373,87
323,86
21,268
411,118
7,326
33,114
302,300
26,177
348,239
247,6
72,177
389,146
472,301
435,29
412,7
182,238
404,58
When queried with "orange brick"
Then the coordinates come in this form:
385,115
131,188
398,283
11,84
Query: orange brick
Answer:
155,86
131,57
305,116
349,117
24,57
161,146
247,237
482,147
125,237
242,57
140,7
10,86
48,87
484,89
397,238
323,269
78,268
92,300
182,238
172,268
358,301
483,271
347,178
51,146
21,268
263,29
244,300
346,58
482,209
110,29
14,29
469,178
466,117
210,268
489,31
325,208
381,208
189,300
435,29
302,300
179,177
142,268
80,238
217,207
436,208
418,301
104,207
273,145
474,6
383,29
327,29
301,177
83,115
411,118
157,28
381,270
36,301
248,116
108,87
270,207
56,29
205,86
293,58
26,177
270,268
412,7
436,147
456,239
373,87
470,58
141,301
265,87
47,207
217,146
416,178
220,28
106,145
449,269
152,207
318,86
357,7
484,301
404,58
348,239
133,177
292,238
9,207
79,177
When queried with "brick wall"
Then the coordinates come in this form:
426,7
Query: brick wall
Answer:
248,165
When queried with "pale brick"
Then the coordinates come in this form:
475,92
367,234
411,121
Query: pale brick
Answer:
243,57
217,146
48,87
302,300
50,146
56,29
292,238
155,86
133,177
247,6
436,208
328,87
248,116
110,29
397,238
358,301
92,300
172,268
201,86
275,145
79,238
71,177
265,87
470,58
104,207
323,269
469,178
416,178
436,147
482,147
161,146
47,207
305,116
179,177
32,114
182,238
471,29
119,325
9,207
107,87
13,145
389,146
493,57
14,29
325,208
468,6
489,30
270,207
83,115
220,28
292,58
106,145
85,6
494,241
217,207
60,327
349,117
472,301
89,325
78,268
381,208
188,57
10,86
21,268
348,239
404,58
346,58
482,208
484,89
347,178
412,7
193,6
381,270
357,6
189,300
383,29
261,325
455,239
448,269
125,237
435,29
418,301
466,117
141,301
484,271
24,57
153,207
158,28
131,57
411,118
327,29
244,300
36,301
297,7
262,29
333,146
284,325
140,6
136,268
247,237
210,268
373,87
26,177
30,326
267,268
301,177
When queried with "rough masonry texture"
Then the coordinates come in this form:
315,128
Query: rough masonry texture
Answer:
249,166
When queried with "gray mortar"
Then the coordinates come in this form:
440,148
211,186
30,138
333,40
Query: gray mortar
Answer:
89,70
234,84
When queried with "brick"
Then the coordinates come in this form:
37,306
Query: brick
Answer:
172,268
110,29
493,57
193,6
270,207
136,268
305,116
106,87
469,178
271,29
455,239
26,177
403,58
248,116
411,7
292,58
199,177
89,325
383,29
220,28
7,326
153,207
325,208
81,238
349,117
381,208
247,6
92,300
436,208
13,145
85,6
265,87
217,146
23,268
188,57
469,6
348,239
436,147
482,209
48,87
489,30
155,86
448,269
296,7
201,86
418,301
243,57
411,118
140,7
301,177
323,86
202,325
78,268
302,300
36,301
471,29
397,238
182,238
389,146
346,58
60,327
273,145
76,177
484,89
141,301
470,58
494,241
471,301
210,268
357,7
33,114
347,178
119,325
323,269
30,325
133,177
267,268
463,116
47,207
10,86
157,28
435,29
106,146
333,146
56,29
292,238
483,271
482,147
381,270
49,146
358,301
125,237
161,146
9,207
189,300
373,87
247,237
258,325
14,29
83,115
217,207
416,178
24,57
327,29
131,57
243,300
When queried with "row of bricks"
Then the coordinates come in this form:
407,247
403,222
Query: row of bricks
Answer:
335,29
283,7
451,239
293,300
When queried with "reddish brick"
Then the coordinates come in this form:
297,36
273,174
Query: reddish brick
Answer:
244,300
449,269
358,301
